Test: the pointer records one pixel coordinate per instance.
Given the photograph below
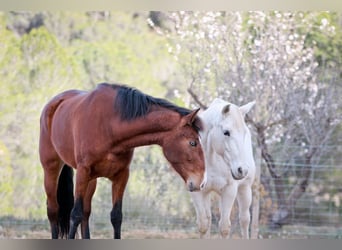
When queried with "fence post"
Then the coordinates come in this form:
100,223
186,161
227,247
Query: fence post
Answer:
256,196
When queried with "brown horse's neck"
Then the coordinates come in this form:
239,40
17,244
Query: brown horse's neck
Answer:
150,129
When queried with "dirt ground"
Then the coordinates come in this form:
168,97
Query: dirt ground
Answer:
30,231
10,233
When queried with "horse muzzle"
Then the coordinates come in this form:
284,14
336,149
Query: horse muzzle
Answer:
193,187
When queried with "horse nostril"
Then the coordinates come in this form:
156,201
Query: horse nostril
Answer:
191,187
202,185
240,170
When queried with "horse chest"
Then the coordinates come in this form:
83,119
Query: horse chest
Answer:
215,184
217,178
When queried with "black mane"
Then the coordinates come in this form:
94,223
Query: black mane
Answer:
134,104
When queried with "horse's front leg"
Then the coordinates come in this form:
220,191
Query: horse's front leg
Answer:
87,209
76,217
201,202
228,195
244,198
119,182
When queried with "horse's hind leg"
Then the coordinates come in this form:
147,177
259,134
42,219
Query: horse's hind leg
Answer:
51,173
244,199
52,166
87,209
119,182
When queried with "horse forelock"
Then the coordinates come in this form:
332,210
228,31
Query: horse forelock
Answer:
133,103
214,118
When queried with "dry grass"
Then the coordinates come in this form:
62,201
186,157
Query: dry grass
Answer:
287,232
11,233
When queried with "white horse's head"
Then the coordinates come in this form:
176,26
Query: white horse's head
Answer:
230,136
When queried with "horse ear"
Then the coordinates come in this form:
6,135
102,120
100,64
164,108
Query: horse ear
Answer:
225,109
192,116
192,119
246,108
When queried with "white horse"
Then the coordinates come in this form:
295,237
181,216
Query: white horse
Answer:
230,166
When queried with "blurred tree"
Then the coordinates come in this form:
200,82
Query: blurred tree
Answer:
267,57
22,22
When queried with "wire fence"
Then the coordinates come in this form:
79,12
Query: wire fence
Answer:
152,206
316,214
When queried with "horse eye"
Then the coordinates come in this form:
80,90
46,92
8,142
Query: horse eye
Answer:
226,132
193,143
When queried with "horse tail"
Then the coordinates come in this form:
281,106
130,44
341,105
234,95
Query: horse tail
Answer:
65,198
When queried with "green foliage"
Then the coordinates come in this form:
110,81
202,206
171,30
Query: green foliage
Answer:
326,38
33,68
70,50
115,61
6,181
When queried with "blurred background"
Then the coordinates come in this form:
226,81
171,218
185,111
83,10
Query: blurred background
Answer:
289,62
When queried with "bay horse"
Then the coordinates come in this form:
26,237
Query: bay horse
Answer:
229,161
96,132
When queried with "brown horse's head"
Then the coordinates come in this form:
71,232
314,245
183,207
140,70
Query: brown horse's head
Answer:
183,150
